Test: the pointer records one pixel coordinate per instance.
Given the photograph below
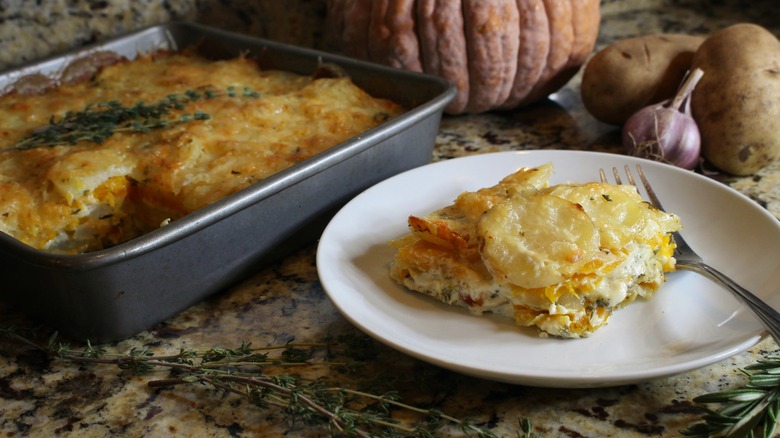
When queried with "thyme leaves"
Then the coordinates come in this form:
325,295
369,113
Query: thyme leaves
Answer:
97,122
261,377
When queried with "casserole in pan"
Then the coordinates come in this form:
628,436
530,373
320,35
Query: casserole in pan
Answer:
116,291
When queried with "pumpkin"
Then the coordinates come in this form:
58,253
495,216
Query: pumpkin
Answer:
499,54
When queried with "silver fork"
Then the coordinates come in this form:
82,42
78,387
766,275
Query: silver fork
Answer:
687,259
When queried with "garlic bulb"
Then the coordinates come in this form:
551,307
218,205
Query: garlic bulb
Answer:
666,131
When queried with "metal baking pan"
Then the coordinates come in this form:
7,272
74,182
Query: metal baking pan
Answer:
115,293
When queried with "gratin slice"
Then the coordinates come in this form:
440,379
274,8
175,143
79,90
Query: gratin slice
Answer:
561,258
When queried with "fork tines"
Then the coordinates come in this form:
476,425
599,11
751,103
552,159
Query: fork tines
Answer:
648,188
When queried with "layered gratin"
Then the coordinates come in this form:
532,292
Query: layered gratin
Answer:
95,161
558,257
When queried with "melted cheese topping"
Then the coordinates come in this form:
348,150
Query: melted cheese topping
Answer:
561,258
91,194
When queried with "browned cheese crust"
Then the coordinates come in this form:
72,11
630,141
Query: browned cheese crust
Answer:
74,193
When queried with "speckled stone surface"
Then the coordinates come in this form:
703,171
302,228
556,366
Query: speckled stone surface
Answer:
40,396
31,30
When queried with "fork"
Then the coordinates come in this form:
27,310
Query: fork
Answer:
689,260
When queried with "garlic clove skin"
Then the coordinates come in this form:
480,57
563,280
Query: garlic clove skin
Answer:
667,131
665,134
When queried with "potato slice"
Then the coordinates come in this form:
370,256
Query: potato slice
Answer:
77,174
619,212
536,240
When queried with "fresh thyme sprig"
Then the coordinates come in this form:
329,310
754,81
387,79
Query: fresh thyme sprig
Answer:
98,122
749,411
242,371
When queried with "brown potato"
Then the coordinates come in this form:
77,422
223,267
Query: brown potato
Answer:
737,102
636,72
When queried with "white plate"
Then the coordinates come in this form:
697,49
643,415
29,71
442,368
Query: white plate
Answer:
689,323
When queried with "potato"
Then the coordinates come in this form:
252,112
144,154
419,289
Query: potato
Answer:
737,102
636,72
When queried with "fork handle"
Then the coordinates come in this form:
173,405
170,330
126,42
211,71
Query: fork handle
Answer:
768,315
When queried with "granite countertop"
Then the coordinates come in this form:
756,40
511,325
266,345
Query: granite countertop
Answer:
41,396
